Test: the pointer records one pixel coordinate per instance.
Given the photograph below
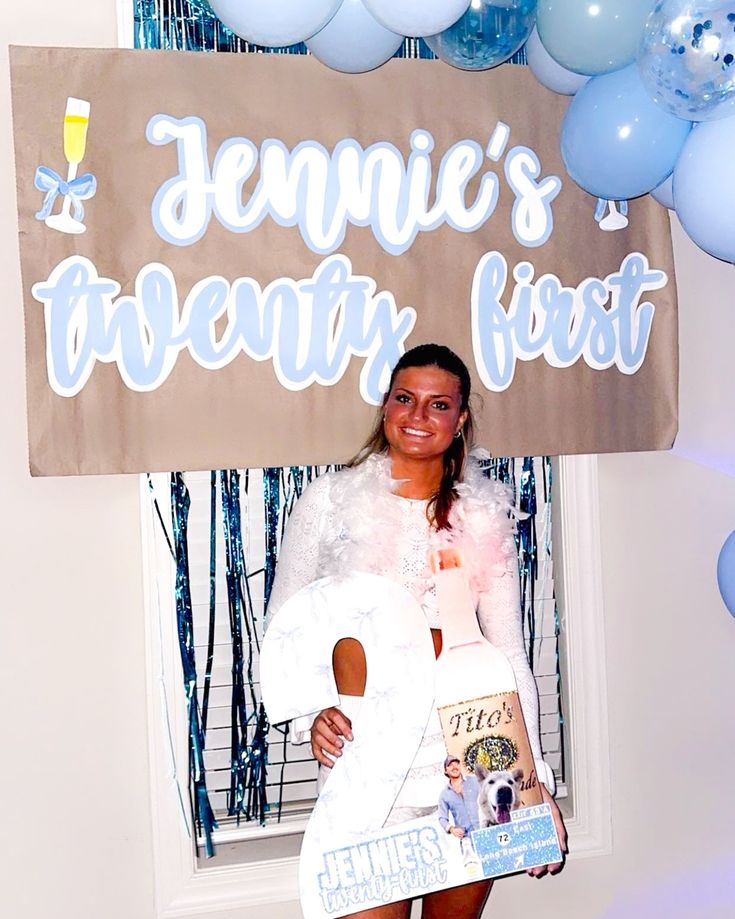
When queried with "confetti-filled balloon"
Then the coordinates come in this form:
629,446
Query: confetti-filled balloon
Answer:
615,142
687,58
489,33
704,187
726,572
274,23
417,17
353,41
592,36
546,70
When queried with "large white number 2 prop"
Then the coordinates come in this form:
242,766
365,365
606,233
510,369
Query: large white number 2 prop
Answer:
297,679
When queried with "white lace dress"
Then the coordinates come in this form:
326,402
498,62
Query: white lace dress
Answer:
353,520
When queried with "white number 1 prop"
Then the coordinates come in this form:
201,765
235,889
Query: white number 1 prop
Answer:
297,679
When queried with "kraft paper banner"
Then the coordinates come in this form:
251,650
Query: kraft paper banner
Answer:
224,255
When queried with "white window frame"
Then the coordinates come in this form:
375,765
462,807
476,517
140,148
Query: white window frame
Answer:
184,889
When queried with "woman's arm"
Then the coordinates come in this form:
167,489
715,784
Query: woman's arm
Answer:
499,614
298,565
298,558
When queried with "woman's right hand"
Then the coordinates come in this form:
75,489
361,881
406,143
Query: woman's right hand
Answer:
328,734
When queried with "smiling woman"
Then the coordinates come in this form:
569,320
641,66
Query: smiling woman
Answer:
412,488
426,427
422,414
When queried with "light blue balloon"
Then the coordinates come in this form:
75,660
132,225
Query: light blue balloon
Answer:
275,23
726,573
546,70
489,33
704,190
353,41
417,17
592,36
687,58
664,193
615,142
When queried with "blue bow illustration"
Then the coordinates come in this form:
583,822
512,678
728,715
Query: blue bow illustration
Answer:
78,190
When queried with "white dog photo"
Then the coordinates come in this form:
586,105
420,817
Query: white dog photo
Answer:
500,793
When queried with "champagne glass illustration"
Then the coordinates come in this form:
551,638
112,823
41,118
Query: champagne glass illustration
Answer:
616,219
76,122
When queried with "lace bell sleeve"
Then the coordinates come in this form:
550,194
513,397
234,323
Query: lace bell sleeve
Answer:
298,565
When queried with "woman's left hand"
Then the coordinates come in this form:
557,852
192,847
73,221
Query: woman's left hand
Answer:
561,832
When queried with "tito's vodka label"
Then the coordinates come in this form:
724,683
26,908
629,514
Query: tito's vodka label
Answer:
477,698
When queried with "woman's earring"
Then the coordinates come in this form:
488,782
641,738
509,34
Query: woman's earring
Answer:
457,434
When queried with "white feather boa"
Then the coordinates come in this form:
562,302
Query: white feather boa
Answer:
368,518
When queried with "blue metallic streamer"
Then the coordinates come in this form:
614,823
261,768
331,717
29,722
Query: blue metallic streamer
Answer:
272,499
503,469
152,494
248,760
203,813
528,550
212,595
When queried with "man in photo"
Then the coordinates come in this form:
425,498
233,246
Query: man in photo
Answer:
459,799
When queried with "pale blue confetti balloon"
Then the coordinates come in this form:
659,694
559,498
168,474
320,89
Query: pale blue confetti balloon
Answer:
687,58
490,32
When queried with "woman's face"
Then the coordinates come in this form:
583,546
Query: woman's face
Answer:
423,412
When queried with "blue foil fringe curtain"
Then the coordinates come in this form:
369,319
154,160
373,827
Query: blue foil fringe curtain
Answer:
249,727
189,25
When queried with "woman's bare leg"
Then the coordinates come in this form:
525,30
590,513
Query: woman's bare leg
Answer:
464,902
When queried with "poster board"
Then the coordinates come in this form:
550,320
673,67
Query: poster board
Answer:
359,849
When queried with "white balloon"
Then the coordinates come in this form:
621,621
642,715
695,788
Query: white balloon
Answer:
353,41
548,72
417,17
275,23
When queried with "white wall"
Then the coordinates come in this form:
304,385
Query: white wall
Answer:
75,838
73,767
